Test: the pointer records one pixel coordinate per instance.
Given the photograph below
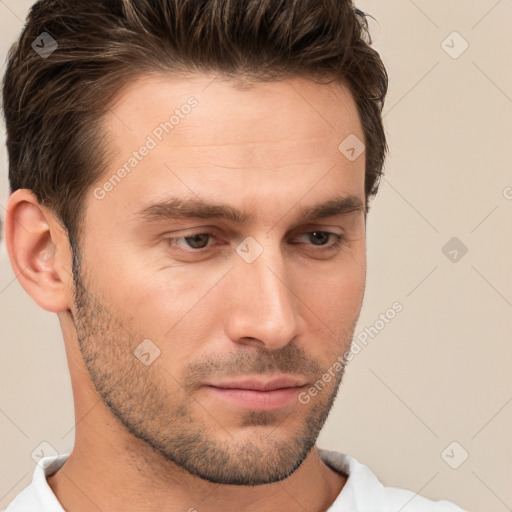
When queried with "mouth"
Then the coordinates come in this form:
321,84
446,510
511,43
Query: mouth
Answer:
256,394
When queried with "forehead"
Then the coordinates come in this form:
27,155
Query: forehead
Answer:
206,136
261,108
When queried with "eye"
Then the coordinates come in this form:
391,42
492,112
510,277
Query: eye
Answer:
196,241
322,237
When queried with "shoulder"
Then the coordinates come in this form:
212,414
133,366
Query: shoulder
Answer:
363,491
38,495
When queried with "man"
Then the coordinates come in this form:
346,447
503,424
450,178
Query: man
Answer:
190,183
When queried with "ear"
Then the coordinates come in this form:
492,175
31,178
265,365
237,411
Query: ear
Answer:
39,251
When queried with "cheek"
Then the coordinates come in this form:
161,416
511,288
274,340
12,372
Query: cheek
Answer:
167,307
332,303
337,286
336,301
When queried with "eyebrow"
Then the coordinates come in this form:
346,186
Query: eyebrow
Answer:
175,208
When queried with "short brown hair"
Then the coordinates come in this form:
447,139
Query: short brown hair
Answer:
53,104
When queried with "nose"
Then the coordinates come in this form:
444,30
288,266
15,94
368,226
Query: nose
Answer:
263,306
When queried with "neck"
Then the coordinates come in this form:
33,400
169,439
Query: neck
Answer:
111,470
106,474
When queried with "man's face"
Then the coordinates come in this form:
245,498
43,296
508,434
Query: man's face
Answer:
169,305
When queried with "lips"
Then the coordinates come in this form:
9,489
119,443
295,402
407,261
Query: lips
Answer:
257,394
260,385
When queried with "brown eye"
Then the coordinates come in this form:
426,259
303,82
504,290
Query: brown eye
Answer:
320,239
321,236
198,241
195,242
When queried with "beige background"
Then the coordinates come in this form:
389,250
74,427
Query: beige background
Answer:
439,371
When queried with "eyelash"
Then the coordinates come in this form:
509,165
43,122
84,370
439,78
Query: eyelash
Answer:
172,241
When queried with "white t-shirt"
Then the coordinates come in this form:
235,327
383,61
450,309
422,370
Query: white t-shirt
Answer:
362,492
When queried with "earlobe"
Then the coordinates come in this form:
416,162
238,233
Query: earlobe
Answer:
39,251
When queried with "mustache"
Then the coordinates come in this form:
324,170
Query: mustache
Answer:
289,359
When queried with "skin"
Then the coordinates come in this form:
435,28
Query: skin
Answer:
152,437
